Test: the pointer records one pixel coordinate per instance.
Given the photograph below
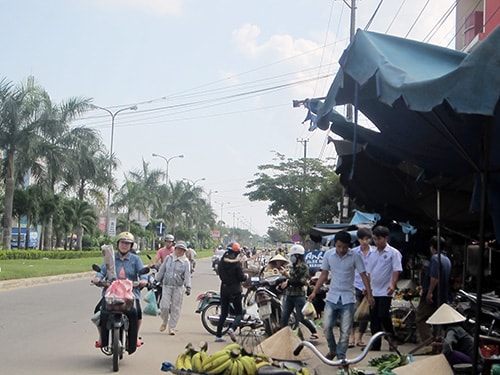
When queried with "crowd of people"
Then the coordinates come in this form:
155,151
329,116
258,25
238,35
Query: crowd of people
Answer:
368,271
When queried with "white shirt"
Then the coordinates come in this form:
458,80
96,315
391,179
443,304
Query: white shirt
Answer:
381,266
358,281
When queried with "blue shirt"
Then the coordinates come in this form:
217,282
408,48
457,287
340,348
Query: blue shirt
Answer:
342,275
128,268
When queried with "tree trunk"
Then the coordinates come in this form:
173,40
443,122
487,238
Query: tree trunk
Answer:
7,213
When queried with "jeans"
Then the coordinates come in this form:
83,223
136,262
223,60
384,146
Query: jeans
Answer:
345,313
297,303
224,311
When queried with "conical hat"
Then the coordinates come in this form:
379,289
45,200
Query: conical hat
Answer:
445,315
281,345
278,257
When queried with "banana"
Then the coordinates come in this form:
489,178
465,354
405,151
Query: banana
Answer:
262,364
305,371
187,362
179,362
249,365
217,362
231,370
232,346
241,368
196,363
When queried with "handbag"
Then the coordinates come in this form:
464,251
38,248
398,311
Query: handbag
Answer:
362,313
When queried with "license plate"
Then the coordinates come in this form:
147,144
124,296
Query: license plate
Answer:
265,311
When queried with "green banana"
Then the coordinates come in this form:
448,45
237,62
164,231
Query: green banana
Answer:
196,362
232,346
187,362
305,371
262,364
248,364
179,362
217,362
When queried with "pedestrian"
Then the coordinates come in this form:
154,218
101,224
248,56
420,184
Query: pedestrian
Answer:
175,276
276,267
231,276
127,266
341,262
436,282
384,267
165,251
295,297
364,236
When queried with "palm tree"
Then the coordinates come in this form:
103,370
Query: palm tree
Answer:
20,117
81,216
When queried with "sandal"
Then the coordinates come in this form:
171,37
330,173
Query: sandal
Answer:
98,344
351,345
361,344
314,337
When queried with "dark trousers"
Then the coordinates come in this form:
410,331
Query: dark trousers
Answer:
296,302
106,325
225,301
380,318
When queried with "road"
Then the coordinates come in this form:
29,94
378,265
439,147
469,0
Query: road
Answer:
46,330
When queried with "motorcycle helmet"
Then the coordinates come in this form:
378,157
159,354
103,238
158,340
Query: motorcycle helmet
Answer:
125,237
169,238
234,246
297,249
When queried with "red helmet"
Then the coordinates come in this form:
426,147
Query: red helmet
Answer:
234,246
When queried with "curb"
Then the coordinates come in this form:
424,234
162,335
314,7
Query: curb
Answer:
22,283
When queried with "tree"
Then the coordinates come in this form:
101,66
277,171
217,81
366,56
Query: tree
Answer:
305,191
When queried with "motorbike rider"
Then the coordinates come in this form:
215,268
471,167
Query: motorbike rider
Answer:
165,251
276,266
128,266
231,275
295,297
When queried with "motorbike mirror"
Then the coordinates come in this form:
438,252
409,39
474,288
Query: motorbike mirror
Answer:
96,268
255,279
144,271
148,256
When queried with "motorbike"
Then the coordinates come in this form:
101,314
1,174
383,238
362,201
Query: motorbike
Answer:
152,284
116,325
465,303
209,308
269,301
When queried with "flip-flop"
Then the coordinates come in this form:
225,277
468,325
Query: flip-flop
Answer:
351,345
361,344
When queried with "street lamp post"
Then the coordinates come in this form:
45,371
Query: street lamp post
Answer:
167,160
108,202
195,181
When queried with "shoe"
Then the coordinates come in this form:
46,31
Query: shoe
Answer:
219,339
331,355
163,327
171,332
231,334
98,344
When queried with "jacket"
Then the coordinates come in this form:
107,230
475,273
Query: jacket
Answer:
231,274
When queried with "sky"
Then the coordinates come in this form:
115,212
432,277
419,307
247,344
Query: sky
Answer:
212,80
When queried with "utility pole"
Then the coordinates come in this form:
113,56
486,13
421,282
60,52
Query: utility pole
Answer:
304,143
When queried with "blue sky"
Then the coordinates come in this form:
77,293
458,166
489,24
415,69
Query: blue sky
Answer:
213,80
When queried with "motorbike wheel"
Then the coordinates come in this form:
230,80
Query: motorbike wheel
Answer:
272,324
116,348
212,309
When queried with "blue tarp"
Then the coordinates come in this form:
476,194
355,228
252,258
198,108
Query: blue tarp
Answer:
436,111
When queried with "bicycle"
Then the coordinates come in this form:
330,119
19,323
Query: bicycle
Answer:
404,321
344,364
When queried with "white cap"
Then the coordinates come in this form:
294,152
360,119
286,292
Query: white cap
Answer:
446,315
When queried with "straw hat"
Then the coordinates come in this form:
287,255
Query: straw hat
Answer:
445,315
281,345
278,257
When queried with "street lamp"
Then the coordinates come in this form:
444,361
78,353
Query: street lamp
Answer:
113,115
167,161
195,181
210,192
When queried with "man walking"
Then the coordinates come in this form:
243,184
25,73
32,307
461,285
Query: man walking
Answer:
342,263
383,269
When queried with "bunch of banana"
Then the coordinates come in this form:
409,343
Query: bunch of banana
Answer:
218,362
304,371
261,360
199,357
183,361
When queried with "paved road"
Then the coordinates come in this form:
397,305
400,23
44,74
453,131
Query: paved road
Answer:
46,330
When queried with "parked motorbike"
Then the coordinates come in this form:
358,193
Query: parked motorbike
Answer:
210,309
116,324
152,284
268,296
465,303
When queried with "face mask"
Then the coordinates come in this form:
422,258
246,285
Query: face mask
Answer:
293,259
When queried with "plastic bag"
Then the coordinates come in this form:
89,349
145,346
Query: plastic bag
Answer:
309,311
362,313
151,308
150,296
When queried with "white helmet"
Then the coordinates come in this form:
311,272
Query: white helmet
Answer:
169,237
296,249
